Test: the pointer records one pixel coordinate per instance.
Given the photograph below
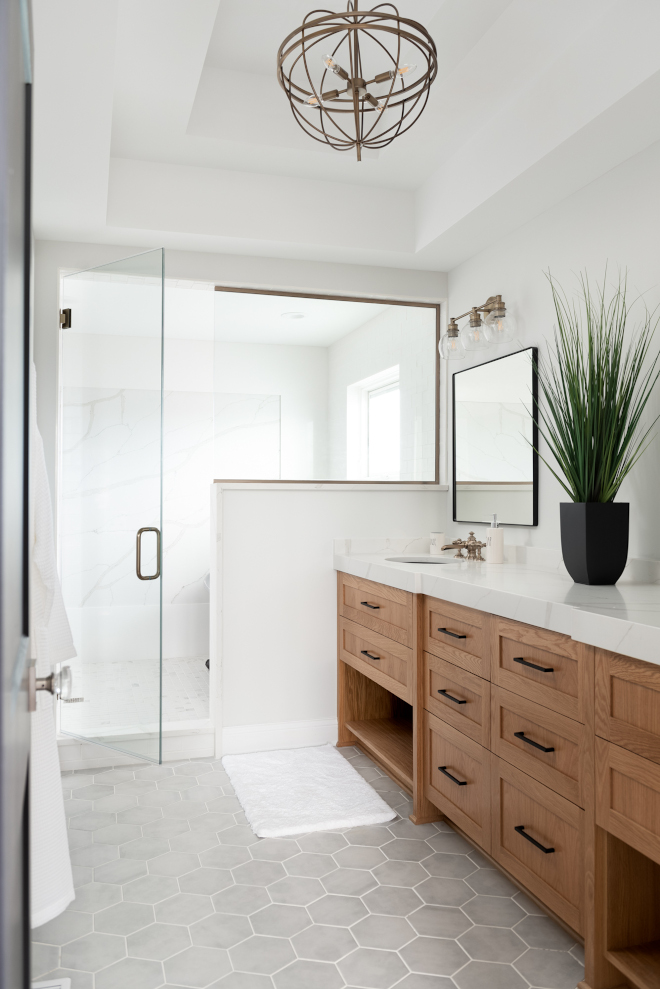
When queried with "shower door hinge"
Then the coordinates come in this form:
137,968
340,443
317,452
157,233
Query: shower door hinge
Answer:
65,319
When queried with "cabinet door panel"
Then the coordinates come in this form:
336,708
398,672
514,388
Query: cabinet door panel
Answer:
552,748
628,703
457,697
628,797
383,609
546,667
457,634
377,657
539,838
456,772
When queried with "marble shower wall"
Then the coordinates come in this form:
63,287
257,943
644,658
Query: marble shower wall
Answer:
248,436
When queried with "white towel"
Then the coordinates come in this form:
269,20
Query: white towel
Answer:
51,882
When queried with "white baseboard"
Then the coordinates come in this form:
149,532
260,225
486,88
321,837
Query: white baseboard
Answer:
281,735
75,754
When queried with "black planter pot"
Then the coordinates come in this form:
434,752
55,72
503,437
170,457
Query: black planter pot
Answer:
594,540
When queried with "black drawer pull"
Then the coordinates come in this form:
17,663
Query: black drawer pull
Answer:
366,653
542,748
521,830
533,666
374,607
450,698
454,635
443,770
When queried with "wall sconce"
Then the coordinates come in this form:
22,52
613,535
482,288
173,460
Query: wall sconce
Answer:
478,333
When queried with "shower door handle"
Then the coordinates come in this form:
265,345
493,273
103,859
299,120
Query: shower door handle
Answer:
138,553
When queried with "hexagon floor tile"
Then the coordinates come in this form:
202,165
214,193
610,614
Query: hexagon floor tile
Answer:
164,899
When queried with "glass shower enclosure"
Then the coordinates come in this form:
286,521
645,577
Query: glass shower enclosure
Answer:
110,502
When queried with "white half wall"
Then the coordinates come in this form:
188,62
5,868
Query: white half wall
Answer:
612,221
274,600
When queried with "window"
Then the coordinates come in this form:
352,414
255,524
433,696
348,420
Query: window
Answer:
374,426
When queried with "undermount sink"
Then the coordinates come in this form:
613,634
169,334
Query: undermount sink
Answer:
418,559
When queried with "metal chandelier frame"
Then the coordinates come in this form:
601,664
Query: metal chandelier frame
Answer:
352,116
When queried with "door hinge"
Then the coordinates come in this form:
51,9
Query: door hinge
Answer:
65,319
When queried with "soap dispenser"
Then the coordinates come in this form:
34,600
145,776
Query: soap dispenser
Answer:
495,543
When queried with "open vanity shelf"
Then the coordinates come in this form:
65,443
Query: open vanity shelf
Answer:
542,750
390,740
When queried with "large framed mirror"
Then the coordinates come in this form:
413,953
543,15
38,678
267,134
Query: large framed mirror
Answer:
311,387
495,440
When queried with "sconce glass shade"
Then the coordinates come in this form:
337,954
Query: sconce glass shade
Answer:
499,327
451,348
474,337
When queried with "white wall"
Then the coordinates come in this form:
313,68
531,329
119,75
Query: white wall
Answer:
613,220
275,601
403,336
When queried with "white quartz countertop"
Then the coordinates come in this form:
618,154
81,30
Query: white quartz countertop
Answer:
624,618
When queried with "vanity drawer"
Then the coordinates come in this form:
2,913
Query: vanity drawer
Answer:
377,657
538,837
545,667
457,634
522,732
628,703
628,797
383,609
456,773
457,697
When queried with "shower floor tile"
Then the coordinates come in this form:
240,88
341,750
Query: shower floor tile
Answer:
124,695
395,906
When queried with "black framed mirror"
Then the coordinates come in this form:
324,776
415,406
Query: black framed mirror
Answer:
495,440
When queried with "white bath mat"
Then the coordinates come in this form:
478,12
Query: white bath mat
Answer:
292,791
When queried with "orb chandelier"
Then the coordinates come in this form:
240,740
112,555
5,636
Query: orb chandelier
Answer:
346,80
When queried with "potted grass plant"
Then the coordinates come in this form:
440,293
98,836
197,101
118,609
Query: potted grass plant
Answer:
593,391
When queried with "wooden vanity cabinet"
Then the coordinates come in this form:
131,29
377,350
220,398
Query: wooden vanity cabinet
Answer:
543,751
376,673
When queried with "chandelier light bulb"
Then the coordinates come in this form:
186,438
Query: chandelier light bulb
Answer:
312,103
406,70
333,66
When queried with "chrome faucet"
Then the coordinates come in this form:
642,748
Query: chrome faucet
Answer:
471,544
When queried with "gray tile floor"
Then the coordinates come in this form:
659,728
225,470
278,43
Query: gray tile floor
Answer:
174,890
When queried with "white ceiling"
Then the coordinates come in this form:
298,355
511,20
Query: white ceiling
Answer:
160,122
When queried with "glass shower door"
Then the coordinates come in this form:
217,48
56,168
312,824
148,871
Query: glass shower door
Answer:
110,502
